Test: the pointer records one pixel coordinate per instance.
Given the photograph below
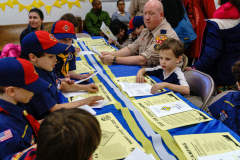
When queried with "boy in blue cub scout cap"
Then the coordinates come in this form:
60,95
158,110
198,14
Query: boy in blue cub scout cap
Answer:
18,83
136,26
41,48
64,32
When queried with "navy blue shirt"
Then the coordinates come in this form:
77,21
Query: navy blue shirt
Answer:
71,59
16,124
40,104
175,77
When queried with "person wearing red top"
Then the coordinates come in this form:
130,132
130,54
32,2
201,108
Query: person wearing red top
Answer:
198,11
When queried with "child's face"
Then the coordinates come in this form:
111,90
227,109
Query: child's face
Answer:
47,62
67,41
22,95
168,60
138,31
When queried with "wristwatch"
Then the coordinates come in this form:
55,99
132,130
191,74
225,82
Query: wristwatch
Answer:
114,60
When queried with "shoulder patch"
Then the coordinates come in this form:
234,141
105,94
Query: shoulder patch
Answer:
160,39
5,135
157,47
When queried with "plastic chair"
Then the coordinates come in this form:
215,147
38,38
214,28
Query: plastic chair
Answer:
220,95
79,35
201,84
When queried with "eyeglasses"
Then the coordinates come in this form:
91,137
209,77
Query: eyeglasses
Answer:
121,4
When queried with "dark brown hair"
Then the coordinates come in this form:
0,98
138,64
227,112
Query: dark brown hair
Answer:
38,55
176,46
2,90
68,134
236,71
71,18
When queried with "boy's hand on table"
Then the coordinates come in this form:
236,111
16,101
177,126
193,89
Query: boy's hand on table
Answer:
158,86
92,100
83,76
91,87
188,68
140,78
67,79
77,50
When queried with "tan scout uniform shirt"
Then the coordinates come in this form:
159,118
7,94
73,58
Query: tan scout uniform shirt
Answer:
148,42
136,7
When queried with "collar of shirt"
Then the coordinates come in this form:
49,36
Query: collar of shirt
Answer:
156,31
12,109
121,12
169,73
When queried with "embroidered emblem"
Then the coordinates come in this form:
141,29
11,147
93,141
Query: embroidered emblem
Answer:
5,135
223,116
70,57
33,140
166,108
160,39
157,47
51,37
66,28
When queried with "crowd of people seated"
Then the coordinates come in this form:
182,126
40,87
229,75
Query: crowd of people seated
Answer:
152,34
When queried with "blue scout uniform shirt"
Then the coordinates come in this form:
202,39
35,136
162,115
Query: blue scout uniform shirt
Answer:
175,77
227,110
17,125
40,104
70,59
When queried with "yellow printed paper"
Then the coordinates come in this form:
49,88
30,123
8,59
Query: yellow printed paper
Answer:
198,145
102,92
107,48
116,143
77,3
14,2
83,67
2,6
28,8
48,8
84,38
35,4
9,3
132,79
171,121
96,42
57,4
70,4
40,3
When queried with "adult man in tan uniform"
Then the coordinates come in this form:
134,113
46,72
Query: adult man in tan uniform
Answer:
136,7
145,50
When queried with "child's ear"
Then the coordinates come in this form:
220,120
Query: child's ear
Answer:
10,91
32,57
179,59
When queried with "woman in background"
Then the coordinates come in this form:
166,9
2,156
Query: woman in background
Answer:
35,19
121,14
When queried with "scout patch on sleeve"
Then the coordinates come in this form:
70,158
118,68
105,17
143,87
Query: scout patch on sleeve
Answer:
5,135
157,47
160,39
70,57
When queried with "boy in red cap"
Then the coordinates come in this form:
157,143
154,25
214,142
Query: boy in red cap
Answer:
18,83
41,48
64,32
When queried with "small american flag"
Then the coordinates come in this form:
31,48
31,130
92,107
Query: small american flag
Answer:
5,135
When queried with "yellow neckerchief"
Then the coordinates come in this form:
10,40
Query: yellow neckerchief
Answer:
65,66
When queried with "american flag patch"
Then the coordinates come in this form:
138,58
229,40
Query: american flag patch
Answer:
5,135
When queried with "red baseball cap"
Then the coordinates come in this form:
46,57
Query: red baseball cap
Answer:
42,41
20,72
63,29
